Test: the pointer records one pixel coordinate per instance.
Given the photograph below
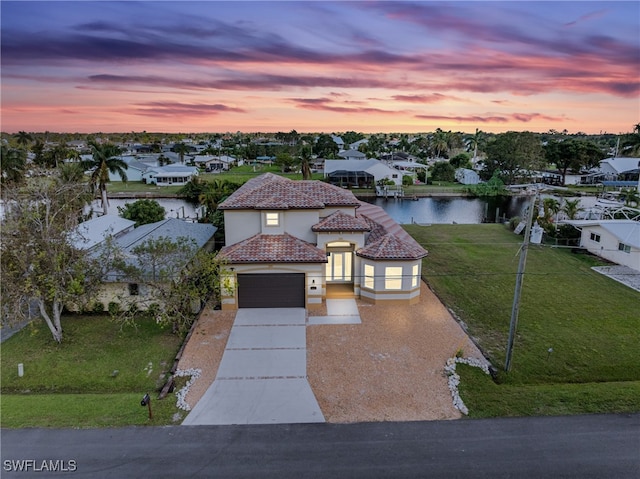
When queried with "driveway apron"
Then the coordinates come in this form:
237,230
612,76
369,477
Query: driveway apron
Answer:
262,378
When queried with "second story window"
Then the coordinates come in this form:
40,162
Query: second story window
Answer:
272,219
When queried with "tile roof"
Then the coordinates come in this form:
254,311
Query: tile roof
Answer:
340,221
393,248
387,239
263,248
269,191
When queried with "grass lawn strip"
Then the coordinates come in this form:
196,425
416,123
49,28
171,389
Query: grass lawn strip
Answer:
97,375
588,320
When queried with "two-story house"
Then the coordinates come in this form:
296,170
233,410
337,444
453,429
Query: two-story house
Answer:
296,243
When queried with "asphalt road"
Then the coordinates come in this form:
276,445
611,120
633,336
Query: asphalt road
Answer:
598,446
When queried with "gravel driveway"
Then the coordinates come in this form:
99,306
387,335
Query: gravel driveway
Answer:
388,368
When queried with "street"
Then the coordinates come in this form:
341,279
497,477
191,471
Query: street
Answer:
593,446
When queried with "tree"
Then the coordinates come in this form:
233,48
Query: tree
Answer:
12,165
460,161
572,154
40,264
325,147
440,143
631,142
443,171
143,212
23,139
475,142
105,160
285,161
179,277
305,156
571,208
181,149
214,193
513,155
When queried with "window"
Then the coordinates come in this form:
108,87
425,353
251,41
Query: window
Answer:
393,277
414,276
272,219
624,247
595,237
134,290
369,272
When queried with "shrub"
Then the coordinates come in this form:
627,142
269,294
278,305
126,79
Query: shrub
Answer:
114,308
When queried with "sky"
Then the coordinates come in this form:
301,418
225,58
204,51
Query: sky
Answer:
365,66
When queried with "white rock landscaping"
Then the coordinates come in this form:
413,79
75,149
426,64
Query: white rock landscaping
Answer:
454,379
182,393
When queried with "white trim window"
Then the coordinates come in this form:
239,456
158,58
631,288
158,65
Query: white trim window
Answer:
415,275
272,219
369,276
393,278
624,247
595,237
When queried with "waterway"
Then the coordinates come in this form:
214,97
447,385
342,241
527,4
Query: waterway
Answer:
432,210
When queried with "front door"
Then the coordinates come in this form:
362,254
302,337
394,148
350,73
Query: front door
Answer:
339,268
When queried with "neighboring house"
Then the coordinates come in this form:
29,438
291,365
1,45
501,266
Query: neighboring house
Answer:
617,241
134,170
467,176
176,175
91,233
356,145
117,288
360,173
338,141
352,155
296,243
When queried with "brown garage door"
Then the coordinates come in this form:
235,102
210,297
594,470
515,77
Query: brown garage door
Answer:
271,290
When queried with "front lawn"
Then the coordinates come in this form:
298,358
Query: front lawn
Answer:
95,377
589,321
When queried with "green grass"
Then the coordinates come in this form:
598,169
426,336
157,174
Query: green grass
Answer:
589,320
63,383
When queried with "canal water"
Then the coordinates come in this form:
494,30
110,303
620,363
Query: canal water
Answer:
430,210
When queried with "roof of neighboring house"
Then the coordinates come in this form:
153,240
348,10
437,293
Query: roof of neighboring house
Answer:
340,221
619,165
331,166
626,231
269,191
94,231
352,154
170,228
133,163
263,248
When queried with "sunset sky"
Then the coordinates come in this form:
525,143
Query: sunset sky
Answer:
169,66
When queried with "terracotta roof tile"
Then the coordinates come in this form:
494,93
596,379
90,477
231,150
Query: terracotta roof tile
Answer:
340,221
263,248
391,247
271,191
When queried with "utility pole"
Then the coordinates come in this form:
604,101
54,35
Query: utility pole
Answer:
519,278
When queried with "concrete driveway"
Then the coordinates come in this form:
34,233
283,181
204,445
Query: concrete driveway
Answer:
262,378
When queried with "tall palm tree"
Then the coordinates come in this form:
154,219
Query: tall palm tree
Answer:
181,149
105,160
474,141
305,156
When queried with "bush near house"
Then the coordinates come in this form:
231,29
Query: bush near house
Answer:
589,321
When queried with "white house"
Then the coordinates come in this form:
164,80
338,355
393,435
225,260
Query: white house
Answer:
360,173
296,243
176,175
467,176
617,241
352,155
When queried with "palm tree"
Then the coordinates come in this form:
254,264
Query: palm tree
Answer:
305,156
181,149
474,141
571,208
23,138
105,160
